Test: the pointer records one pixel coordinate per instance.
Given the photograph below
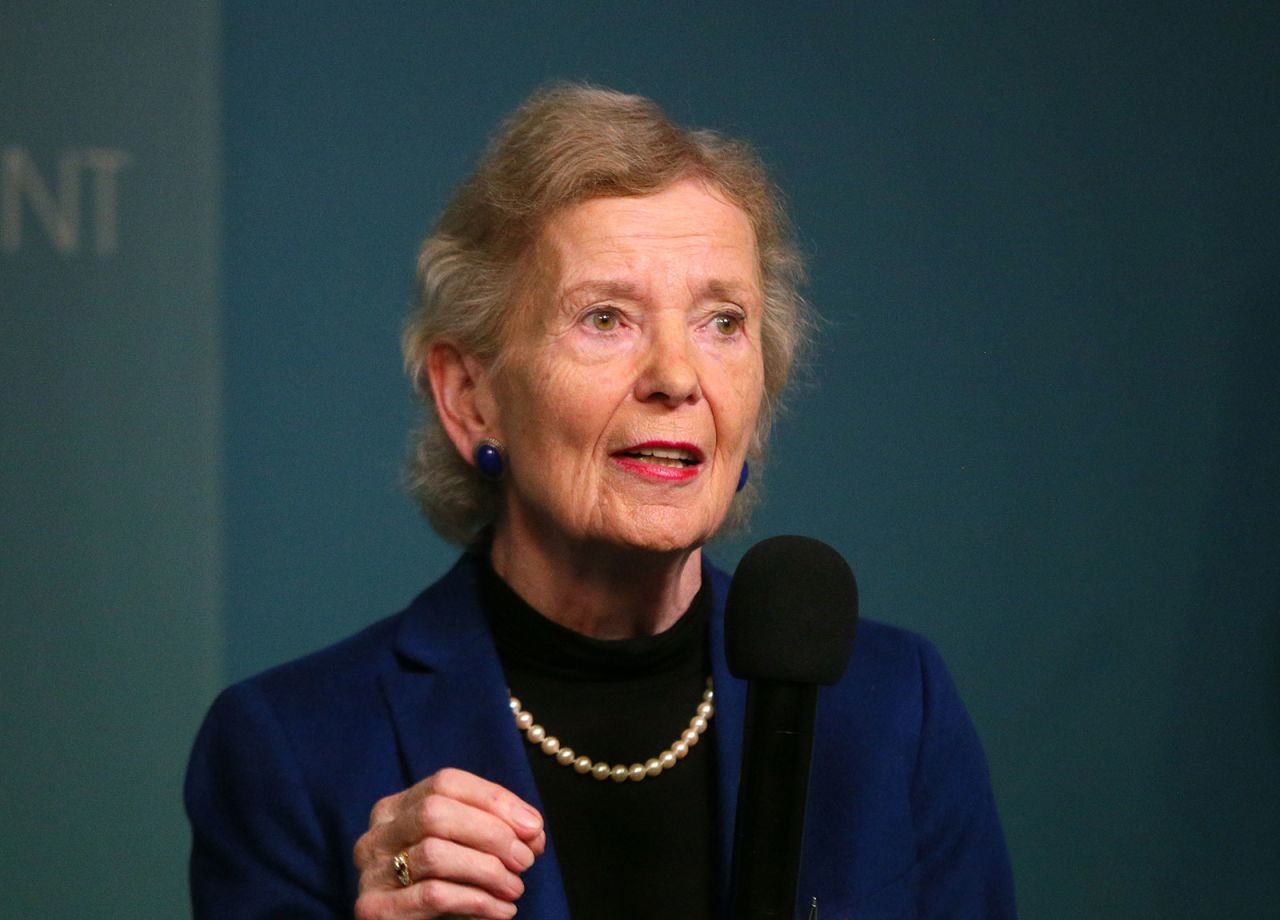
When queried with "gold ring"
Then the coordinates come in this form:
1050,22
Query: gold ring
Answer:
400,863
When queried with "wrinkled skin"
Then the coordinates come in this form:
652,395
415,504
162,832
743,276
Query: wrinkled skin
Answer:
641,321
636,334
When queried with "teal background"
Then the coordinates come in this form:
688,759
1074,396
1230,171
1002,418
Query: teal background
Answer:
110,454
1041,421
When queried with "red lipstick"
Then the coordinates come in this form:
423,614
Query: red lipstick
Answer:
663,461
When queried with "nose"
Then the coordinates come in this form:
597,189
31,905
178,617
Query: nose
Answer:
668,374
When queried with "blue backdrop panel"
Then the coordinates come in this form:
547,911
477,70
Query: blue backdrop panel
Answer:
1042,420
109,530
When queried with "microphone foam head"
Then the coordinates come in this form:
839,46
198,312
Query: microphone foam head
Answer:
792,612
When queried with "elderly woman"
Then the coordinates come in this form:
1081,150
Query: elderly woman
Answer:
607,317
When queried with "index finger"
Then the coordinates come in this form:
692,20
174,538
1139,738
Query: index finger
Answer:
497,800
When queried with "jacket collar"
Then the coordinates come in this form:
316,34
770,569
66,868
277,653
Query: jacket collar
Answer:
731,709
448,701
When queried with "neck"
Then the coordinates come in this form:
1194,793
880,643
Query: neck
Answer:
607,592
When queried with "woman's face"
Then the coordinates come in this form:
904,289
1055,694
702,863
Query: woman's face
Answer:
630,389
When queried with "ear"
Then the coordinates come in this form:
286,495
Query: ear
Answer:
464,399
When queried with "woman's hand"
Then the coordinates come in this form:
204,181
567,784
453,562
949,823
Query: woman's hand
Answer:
465,841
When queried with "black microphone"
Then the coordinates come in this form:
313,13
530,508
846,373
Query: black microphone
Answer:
790,620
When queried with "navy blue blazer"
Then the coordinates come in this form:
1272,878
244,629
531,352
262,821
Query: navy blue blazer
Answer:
900,824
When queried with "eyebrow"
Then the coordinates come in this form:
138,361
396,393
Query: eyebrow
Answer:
715,289
729,290
603,288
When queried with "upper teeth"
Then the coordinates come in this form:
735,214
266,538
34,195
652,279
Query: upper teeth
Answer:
667,453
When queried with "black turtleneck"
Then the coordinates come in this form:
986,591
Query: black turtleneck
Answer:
626,850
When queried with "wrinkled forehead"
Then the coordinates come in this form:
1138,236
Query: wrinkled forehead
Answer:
622,244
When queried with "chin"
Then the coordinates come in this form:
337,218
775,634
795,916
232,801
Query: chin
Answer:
665,531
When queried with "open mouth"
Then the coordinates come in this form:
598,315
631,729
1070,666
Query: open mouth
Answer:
670,456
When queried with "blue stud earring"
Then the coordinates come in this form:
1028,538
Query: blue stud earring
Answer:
743,476
488,456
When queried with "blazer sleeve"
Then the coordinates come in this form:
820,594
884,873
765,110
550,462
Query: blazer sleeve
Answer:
258,849
962,859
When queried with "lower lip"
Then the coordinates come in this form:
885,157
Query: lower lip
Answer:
657,471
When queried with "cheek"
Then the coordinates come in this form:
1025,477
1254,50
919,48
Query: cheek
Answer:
556,407
740,408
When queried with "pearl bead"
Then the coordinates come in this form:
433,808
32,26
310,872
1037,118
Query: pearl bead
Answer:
619,773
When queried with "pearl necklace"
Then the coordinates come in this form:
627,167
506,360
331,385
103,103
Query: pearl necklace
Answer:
619,773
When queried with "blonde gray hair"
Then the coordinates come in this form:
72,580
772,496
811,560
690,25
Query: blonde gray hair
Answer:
564,145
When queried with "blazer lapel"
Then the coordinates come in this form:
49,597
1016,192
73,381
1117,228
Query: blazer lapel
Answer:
448,702
731,707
